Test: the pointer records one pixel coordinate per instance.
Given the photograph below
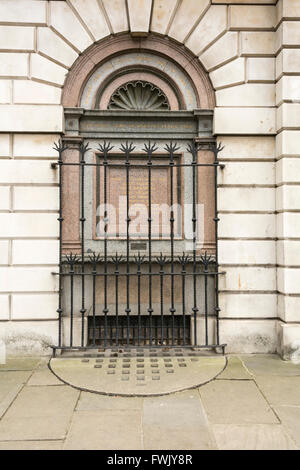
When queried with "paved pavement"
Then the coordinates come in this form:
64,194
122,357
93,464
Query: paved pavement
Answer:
253,404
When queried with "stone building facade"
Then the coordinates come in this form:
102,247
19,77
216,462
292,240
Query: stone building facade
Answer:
248,52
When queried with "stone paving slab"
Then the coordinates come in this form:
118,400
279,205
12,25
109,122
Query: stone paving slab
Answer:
35,428
280,390
252,437
105,429
92,401
235,402
235,370
31,445
138,375
44,402
43,377
269,364
11,383
290,418
176,422
20,363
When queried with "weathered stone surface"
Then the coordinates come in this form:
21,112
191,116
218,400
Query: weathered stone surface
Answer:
288,88
41,198
4,198
249,278
23,11
260,69
29,225
247,173
27,279
139,12
16,38
35,252
93,17
273,365
67,24
252,17
287,197
28,306
19,364
252,437
187,14
245,225
13,64
31,445
16,171
163,429
28,91
288,143
291,9
212,25
288,252
247,95
248,147
34,402
288,115
162,13
43,378
246,199
256,43
235,370
230,74
42,118
221,51
288,224
280,390
50,44
249,336
235,402
288,170
4,145
290,418
91,401
4,299
247,252
107,426
34,428
288,307
287,280
290,33
35,145
288,61
116,12
30,337
248,305
244,121
45,69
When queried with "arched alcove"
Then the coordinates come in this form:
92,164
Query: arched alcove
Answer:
168,54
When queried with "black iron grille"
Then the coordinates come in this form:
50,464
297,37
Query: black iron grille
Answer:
180,313
141,331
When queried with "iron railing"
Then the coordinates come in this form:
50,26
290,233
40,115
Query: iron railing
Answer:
168,322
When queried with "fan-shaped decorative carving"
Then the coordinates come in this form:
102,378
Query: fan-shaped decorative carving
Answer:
139,95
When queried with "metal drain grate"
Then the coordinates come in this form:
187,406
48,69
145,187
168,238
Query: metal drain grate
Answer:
139,330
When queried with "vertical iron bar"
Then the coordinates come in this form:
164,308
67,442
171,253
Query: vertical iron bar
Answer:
194,220
127,149
60,147
104,149
83,149
172,148
149,149
217,148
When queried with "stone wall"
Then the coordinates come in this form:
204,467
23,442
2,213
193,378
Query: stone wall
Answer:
250,50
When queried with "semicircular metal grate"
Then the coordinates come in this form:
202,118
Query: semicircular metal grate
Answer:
139,95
